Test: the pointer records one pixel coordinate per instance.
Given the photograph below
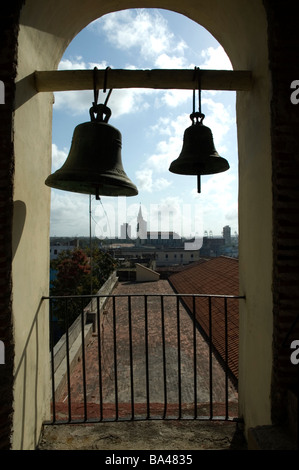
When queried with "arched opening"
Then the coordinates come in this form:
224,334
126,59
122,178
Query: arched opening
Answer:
44,34
152,123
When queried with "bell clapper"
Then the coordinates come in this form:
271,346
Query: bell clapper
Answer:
198,184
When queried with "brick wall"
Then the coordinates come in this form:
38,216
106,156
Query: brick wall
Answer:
8,41
283,53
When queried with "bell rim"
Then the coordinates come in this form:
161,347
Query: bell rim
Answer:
102,185
219,162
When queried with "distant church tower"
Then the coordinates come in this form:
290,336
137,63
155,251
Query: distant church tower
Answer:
141,226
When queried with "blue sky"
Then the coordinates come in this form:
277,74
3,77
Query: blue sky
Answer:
152,124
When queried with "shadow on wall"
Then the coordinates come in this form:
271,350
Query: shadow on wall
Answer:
22,368
19,217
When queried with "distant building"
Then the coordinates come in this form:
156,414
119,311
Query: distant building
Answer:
227,235
217,246
141,227
212,246
164,239
60,244
125,231
176,256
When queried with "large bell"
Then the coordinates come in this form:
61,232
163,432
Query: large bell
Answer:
198,155
94,164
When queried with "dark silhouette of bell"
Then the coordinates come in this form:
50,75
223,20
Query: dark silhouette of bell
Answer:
94,164
198,155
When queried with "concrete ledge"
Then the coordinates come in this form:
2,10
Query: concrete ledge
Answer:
75,353
105,290
59,348
75,335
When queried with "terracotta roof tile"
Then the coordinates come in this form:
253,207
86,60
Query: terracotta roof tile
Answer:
217,276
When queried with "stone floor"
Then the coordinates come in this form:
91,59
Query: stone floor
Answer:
145,435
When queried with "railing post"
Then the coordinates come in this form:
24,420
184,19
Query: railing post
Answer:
83,359
164,356
131,357
194,357
146,359
52,363
67,347
179,357
210,358
100,357
115,358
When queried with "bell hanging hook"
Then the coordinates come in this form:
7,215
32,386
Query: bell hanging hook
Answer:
105,85
100,109
197,115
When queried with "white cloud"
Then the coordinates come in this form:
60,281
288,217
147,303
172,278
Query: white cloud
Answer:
165,61
148,32
58,157
68,64
220,121
161,184
173,98
215,58
145,181
78,102
69,213
218,199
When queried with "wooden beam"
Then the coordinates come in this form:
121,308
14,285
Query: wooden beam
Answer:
66,80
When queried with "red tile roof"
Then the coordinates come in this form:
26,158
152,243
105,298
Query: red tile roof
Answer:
215,276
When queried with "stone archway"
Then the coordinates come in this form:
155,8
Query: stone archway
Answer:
46,28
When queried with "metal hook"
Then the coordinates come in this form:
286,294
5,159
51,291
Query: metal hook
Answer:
105,85
197,114
105,79
95,91
197,73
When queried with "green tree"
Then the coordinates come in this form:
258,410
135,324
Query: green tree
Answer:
78,274
72,268
103,265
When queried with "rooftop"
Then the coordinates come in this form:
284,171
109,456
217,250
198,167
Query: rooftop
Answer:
217,276
155,359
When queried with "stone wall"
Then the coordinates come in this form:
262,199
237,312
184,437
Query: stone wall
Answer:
283,56
8,47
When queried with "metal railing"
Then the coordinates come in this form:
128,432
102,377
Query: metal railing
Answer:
141,357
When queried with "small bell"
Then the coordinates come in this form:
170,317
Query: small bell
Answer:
94,163
198,155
